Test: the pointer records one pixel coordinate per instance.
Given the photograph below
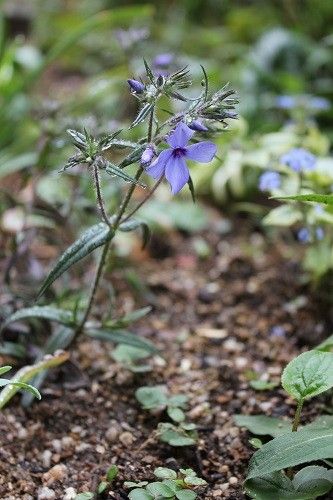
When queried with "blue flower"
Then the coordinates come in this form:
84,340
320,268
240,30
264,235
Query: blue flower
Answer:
285,102
171,162
147,155
269,180
303,235
299,159
163,60
320,233
319,103
136,86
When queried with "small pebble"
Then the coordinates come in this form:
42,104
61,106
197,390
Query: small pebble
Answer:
126,438
46,493
70,494
46,458
56,473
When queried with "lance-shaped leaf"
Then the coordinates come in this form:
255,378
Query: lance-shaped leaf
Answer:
292,448
115,171
132,157
44,312
308,375
92,238
132,225
327,199
143,113
27,373
122,337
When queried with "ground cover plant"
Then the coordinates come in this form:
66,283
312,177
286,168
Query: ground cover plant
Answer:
166,250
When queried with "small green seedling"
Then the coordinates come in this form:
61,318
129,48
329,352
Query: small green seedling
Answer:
306,376
130,356
102,487
170,485
177,433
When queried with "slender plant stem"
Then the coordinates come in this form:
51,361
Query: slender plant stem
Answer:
143,201
99,195
114,226
297,416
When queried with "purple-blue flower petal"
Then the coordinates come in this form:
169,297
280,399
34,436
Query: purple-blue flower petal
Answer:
180,136
202,152
177,173
198,126
157,168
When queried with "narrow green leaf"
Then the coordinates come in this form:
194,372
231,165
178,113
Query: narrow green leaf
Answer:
92,238
143,113
285,215
5,369
326,199
27,373
44,312
112,473
132,225
118,172
122,337
13,349
290,449
191,188
308,375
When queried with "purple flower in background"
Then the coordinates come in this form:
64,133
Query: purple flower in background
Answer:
320,233
163,60
198,126
303,235
278,331
285,102
269,180
299,159
136,86
171,162
147,155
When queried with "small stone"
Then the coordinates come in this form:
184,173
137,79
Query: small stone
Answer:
22,433
67,441
100,449
217,493
46,458
56,445
46,493
233,480
56,473
126,438
82,447
113,432
70,494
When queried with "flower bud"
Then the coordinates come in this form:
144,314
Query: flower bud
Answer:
198,126
136,86
147,155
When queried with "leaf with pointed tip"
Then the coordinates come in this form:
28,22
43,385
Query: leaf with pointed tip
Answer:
132,157
132,225
149,71
5,369
191,188
261,425
79,139
118,172
143,113
308,375
326,199
92,238
121,337
43,312
27,373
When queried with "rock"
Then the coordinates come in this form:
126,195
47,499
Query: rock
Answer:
70,494
113,432
126,438
46,493
46,458
56,473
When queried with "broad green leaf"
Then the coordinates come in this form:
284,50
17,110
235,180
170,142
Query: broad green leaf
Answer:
165,473
102,487
115,171
159,490
112,473
26,373
84,496
308,375
44,312
326,345
176,414
13,349
285,215
326,199
128,354
16,163
186,495
193,480
140,494
122,337
263,385
175,438
262,425
152,397
92,238
290,449
313,479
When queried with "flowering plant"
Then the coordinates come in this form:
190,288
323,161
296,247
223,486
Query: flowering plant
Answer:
202,116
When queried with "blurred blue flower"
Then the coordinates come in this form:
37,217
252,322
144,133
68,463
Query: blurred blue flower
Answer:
163,60
278,331
285,102
198,126
303,235
299,159
269,180
171,162
320,233
319,103
147,155
319,209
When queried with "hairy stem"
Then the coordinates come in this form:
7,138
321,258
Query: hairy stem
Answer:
297,416
114,226
143,201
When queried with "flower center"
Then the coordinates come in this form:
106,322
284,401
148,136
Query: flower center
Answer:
177,152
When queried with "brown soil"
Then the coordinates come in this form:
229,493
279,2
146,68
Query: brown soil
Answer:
213,320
